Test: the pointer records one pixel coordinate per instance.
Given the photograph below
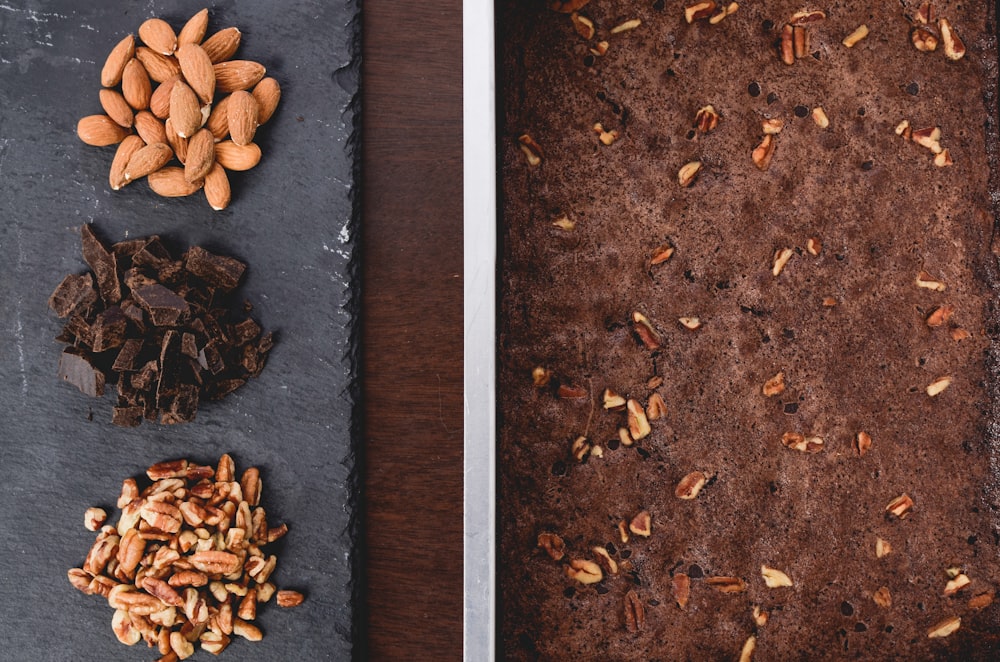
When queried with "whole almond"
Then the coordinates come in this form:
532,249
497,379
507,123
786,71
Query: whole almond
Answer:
178,144
148,159
185,111
158,35
100,131
267,93
170,183
200,155
197,70
242,114
124,50
135,85
159,67
222,45
237,157
126,149
237,75
150,129
194,30
218,120
217,190
159,103
116,107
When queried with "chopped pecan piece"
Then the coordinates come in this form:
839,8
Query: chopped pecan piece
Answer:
862,443
583,26
882,548
882,597
532,150
945,627
630,24
706,119
900,506
746,653
938,386
638,424
552,544
688,172
656,408
763,152
682,589
774,578
641,524
635,612
775,385
954,48
956,584
699,10
859,33
612,400
940,315
644,329
690,485
583,571
727,584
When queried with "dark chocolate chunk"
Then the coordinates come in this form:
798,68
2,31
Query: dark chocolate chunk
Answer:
109,329
76,368
127,417
164,307
216,270
128,357
104,264
72,293
165,332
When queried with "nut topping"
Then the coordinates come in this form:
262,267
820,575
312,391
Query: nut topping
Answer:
940,315
772,126
539,376
583,571
690,323
799,442
688,172
928,137
644,329
612,400
630,24
882,597
656,408
635,612
746,653
900,506
682,589
661,254
564,223
923,39
775,385
800,41
699,11
727,584
957,584
641,524
938,386
605,561
553,545
580,448
820,118
759,616
706,119
532,150
926,281
981,601
954,48
606,137
763,152
690,485
638,424
774,578
862,443
583,26
943,159
807,17
882,548
781,258
859,33
944,628
786,44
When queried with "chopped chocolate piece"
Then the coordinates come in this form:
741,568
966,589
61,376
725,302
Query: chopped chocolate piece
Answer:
164,307
246,331
104,264
128,356
135,278
127,417
163,331
188,346
76,368
72,293
216,270
109,329
153,254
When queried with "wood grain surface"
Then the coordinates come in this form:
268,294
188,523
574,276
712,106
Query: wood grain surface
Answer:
412,330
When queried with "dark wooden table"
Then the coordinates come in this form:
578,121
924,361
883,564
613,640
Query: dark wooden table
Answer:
412,330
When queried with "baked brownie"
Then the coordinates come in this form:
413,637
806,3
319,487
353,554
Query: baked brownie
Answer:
792,289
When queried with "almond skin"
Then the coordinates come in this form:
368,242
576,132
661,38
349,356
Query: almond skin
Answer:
158,35
217,190
237,157
222,45
197,70
218,120
135,85
149,128
129,146
159,103
148,159
100,131
159,67
178,144
124,50
242,114
170,183
237,75
194,30
200,155
116,107
267,93
185,111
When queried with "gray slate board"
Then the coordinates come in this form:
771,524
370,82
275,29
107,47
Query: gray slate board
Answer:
291,220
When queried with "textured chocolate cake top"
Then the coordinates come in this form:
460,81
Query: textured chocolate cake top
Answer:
848,252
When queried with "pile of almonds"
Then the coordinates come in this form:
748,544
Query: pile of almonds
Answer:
203,112
185,565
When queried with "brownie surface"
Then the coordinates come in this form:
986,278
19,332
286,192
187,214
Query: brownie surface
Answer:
847,328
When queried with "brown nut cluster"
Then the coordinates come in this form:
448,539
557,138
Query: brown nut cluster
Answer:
185,563
203,111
